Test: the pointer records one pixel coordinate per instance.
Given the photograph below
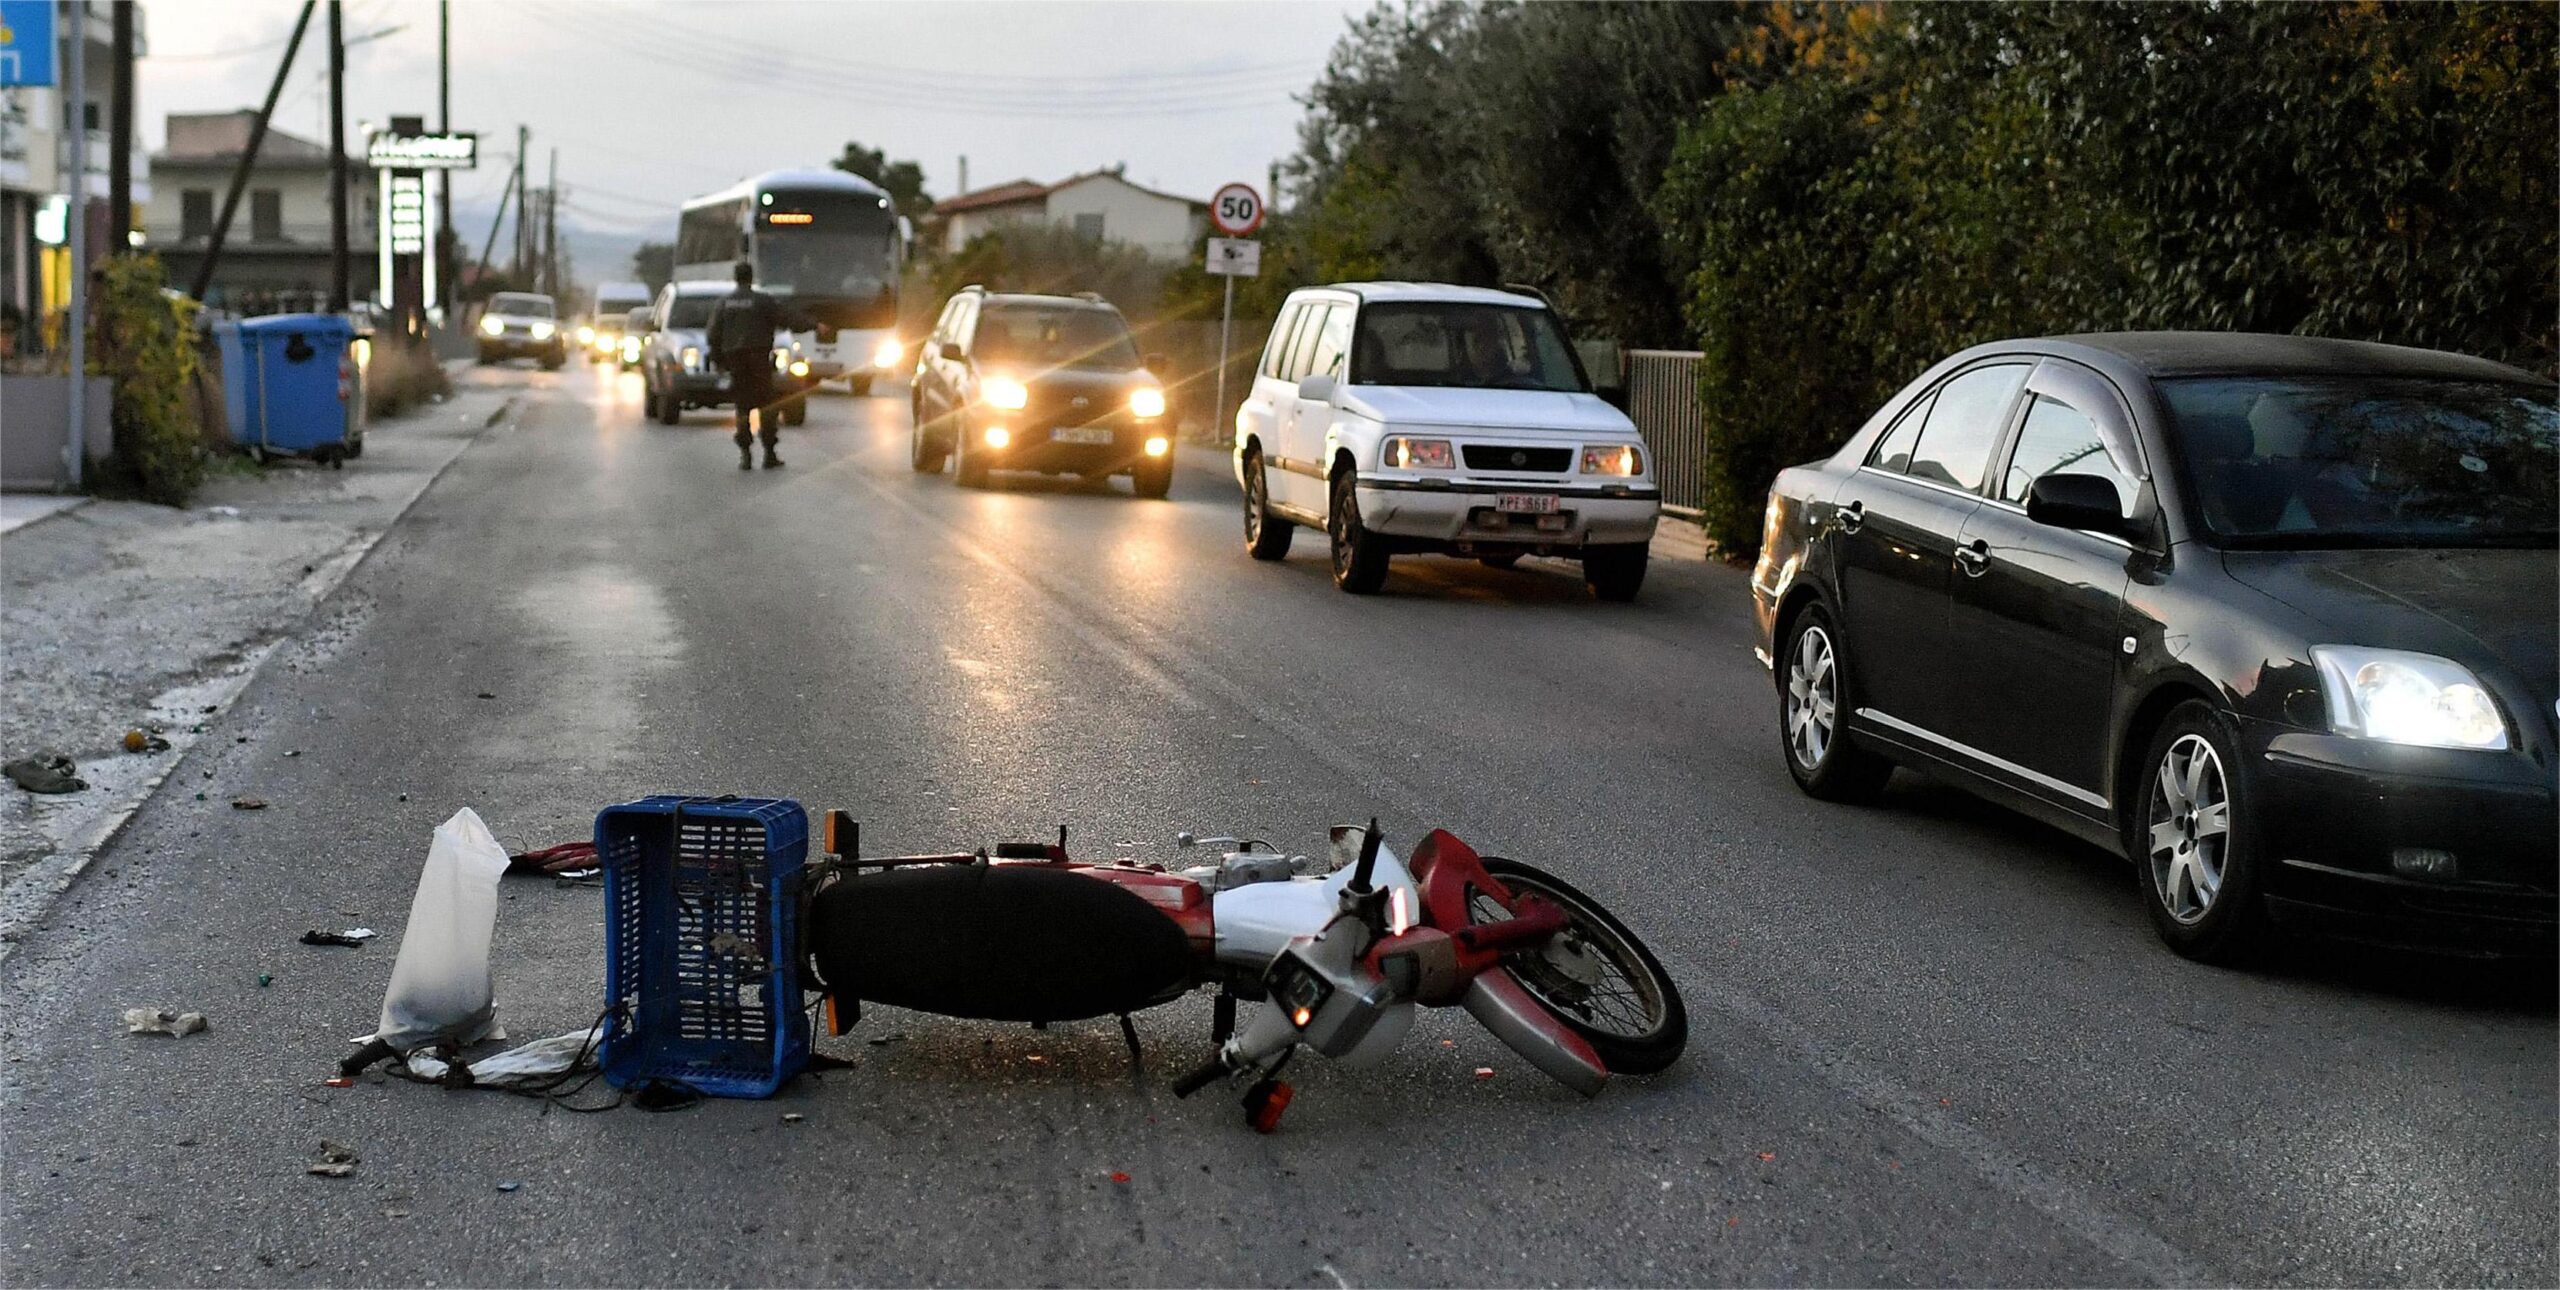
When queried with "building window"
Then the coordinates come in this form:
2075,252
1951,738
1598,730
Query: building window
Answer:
1089,226
195,215
266,215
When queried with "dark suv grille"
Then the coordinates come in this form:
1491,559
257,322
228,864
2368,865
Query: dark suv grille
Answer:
1486,456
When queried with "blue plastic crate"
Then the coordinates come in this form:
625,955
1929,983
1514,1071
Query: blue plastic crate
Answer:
702,905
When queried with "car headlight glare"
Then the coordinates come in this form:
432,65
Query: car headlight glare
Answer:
542,331
692,358
1612,459
1005,392
887,353
799,367
998,436
490,326
1158,446
1400,453
1146,402
631,349
586,335
2401,697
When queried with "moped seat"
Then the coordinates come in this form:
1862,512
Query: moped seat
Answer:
1002,942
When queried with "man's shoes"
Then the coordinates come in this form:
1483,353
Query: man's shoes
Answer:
746,460
772,462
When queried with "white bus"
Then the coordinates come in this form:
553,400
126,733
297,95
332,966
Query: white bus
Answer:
829,242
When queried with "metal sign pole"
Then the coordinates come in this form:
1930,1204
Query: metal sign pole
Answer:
75,452
1226,324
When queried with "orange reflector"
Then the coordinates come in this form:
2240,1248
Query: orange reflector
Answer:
791,217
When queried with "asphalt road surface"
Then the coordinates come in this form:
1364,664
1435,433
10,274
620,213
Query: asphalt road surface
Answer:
1933,1043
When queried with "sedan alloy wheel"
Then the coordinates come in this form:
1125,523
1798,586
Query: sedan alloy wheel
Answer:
2190,828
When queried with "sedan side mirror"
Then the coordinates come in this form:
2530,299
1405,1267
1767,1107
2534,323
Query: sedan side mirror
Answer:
1317,388
951,352
2078,502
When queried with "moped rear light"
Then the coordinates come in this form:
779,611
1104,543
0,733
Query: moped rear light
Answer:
1264,1104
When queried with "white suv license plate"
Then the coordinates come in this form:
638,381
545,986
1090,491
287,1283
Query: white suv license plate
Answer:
1080,434
1525,503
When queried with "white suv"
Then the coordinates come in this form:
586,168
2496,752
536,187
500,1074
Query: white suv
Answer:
1409,417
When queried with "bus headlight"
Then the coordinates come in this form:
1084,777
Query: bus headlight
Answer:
490,326
1146,402
887,353
1005,392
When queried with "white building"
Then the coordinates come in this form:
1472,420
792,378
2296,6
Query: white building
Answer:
1100,204
276,254
35,169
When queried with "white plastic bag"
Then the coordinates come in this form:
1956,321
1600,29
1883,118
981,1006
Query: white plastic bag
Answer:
440,991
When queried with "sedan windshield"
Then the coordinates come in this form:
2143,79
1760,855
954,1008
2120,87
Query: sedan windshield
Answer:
2335,462
524,306
1497,347
1055,336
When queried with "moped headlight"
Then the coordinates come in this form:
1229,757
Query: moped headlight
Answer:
1400,453
1146,402
1005,392
1612,459
2401,697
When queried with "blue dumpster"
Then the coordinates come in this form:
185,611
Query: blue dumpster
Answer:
289,381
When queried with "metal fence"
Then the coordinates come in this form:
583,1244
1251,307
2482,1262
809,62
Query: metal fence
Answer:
1662,398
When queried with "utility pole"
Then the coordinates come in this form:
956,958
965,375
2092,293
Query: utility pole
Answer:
524,139
249,156
75,449
120,142
551,229
338,267
445,267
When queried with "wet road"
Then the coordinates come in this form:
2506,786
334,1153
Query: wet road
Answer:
1932,1042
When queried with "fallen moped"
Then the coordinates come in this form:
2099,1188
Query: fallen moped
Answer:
1342,950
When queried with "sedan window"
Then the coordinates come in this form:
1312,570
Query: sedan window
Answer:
1965,424
1893,452
2058,439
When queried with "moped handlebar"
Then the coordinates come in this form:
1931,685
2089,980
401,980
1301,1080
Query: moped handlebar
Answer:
1211,1073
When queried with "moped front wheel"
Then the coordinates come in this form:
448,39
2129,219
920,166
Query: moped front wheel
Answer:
1594,976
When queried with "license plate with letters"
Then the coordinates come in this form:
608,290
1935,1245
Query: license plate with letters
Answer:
1080,434
1525,503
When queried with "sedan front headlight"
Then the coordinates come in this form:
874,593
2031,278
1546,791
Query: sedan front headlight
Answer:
2406,698
490,326
1612,459
692,358
542,331
1146,402
1005,392
1400,453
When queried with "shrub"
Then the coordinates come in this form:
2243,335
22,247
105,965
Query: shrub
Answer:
142,337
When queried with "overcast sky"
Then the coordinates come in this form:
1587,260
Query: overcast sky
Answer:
650,103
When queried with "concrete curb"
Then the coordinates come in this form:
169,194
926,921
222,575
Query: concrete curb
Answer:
44,511
31,896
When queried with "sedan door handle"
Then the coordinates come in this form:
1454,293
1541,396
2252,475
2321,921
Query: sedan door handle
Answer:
1974,558
1853,515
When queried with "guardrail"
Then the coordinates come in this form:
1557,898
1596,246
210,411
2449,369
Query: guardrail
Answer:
1662,399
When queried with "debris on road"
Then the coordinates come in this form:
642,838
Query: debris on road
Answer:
353,938
265,980
793,1117
440,990
572,858
143,741
45,772
248,803
335,1161
509,1186
1484,1072
162,1021
883,1041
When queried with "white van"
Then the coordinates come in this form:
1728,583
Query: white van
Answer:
1405,417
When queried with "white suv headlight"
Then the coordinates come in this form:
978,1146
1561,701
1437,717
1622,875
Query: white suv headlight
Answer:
492,325
1612,459
2405,698
1401,453
1146,402
542,331
692,358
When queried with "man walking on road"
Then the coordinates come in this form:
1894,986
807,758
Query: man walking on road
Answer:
741,342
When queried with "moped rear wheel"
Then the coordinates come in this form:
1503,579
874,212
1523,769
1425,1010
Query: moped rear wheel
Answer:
1594,976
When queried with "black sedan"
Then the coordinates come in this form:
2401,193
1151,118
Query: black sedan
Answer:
2272,616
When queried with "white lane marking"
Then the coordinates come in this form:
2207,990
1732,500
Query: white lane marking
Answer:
1337,1277
2120,1236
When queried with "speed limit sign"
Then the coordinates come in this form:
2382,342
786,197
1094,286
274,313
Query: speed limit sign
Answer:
1236,210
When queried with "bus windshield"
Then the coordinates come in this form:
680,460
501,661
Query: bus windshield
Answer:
826,246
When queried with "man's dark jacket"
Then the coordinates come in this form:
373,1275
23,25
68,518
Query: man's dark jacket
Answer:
742,327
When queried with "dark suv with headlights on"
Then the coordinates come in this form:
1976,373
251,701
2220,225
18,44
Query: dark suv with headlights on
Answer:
1046,383
2272,616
